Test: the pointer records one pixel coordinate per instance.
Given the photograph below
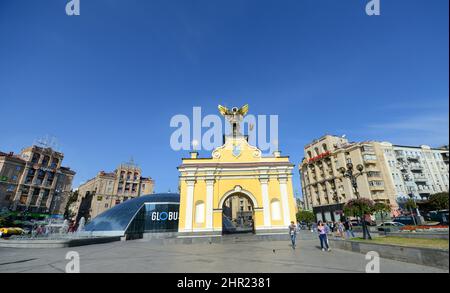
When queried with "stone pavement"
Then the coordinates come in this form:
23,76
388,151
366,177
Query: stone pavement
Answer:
245,257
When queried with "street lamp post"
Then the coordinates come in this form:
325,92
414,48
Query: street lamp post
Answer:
350,174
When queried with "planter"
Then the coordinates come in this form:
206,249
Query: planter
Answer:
433,257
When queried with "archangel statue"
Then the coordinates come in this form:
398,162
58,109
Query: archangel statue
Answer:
235,117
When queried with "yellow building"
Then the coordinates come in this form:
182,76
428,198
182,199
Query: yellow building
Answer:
236,169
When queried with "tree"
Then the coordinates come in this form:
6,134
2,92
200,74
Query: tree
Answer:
410,205
360,207
5,221
306,216
381,208
72,198
439,201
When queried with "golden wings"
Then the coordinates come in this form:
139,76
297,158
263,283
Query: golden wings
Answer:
225,111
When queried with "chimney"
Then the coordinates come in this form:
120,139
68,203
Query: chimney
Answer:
194,155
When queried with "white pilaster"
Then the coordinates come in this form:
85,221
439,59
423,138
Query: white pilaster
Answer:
189,205
284,200
265,199
209,204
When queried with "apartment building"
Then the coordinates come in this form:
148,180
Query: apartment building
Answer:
391,173
445,154
34,180
416,171
324,188
108,189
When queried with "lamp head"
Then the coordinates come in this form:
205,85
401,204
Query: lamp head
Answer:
360,167
350,165
342,170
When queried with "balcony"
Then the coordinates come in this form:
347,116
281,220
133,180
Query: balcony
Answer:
374,174
416,168
368,151
369,159
413,158
420,178
376,188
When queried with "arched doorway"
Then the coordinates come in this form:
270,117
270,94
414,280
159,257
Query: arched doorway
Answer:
238,214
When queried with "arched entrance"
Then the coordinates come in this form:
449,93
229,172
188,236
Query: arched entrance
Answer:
238,214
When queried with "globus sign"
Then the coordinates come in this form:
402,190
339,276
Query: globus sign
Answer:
163,216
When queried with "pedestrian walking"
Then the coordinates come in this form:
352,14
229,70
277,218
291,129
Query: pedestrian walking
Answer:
340,228
313,228
327,228
322,229
293,233
349,228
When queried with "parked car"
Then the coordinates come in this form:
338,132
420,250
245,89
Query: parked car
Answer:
406,220
438,216
390,226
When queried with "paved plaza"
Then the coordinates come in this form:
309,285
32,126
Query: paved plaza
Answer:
245,257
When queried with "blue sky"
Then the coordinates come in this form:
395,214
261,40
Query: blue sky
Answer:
106,83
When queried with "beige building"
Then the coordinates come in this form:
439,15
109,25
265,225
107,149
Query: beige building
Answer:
238,207
324,188
109,189
34,180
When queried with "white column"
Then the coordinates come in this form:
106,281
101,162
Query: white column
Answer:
284,200
209,203
189,205
265,199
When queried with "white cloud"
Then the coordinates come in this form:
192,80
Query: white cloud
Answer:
427,129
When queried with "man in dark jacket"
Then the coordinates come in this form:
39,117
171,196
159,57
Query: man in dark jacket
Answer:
349,228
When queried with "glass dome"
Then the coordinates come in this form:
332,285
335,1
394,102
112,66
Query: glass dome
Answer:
149,213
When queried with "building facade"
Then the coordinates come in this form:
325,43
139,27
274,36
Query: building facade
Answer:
35,181
416,171
324,188
106,190
391,173
261,187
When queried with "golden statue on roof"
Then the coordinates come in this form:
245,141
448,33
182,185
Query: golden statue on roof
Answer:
234,116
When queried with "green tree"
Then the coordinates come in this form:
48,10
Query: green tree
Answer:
411,205
382,209
306,216
360,207
72,198
5,221
439,201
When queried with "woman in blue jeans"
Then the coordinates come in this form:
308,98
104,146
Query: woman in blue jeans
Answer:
293,233
321,228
